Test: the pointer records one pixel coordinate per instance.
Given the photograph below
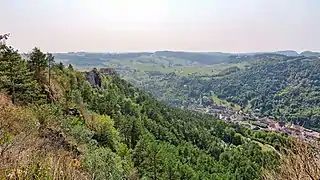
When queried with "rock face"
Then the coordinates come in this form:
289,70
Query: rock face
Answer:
108,71
94,78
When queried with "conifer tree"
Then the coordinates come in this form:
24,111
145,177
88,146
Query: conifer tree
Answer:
60,66
70,67
15,77
38,61
50,60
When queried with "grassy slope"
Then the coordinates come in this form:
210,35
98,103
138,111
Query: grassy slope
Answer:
224,103
27,151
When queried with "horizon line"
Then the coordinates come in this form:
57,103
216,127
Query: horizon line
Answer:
223,52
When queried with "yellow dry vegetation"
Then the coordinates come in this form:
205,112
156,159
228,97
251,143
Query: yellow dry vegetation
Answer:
301,161
28,151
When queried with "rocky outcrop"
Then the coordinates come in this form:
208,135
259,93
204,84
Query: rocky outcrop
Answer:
108,71
94,78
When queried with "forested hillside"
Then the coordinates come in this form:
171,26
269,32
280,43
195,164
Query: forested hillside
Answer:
287,88
57,123
269,84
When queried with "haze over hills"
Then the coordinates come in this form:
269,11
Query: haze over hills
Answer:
191,25
310,53
59,123
87,59
149,70
283,52
160,90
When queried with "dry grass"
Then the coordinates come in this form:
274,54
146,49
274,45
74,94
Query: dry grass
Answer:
30,152
301,162
5,100
53,89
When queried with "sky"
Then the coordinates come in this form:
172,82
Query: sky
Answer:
151,25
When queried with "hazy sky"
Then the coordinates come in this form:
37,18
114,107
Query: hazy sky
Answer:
149,25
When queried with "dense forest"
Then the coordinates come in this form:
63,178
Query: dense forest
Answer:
287,88
58,123
275,85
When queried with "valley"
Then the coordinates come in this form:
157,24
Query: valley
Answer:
274,85
160,90
156,124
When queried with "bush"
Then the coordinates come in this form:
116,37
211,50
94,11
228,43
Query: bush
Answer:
104,164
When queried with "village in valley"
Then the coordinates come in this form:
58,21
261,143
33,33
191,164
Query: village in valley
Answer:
233,114
255,121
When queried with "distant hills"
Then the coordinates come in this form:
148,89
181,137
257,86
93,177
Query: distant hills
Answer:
310,53
186,54
87,59
294,53
286,53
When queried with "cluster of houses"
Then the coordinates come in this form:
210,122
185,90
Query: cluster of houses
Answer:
252,120
256,122
291,129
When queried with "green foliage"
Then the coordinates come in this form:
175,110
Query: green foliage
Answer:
5,138
285,88
245,160
105,133
37,170
16,78
169,143
60,66
38,61
121,132
271,84
104,164
229,71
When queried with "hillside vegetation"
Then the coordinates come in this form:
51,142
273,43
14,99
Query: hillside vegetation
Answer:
287,88
269,84
57,123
